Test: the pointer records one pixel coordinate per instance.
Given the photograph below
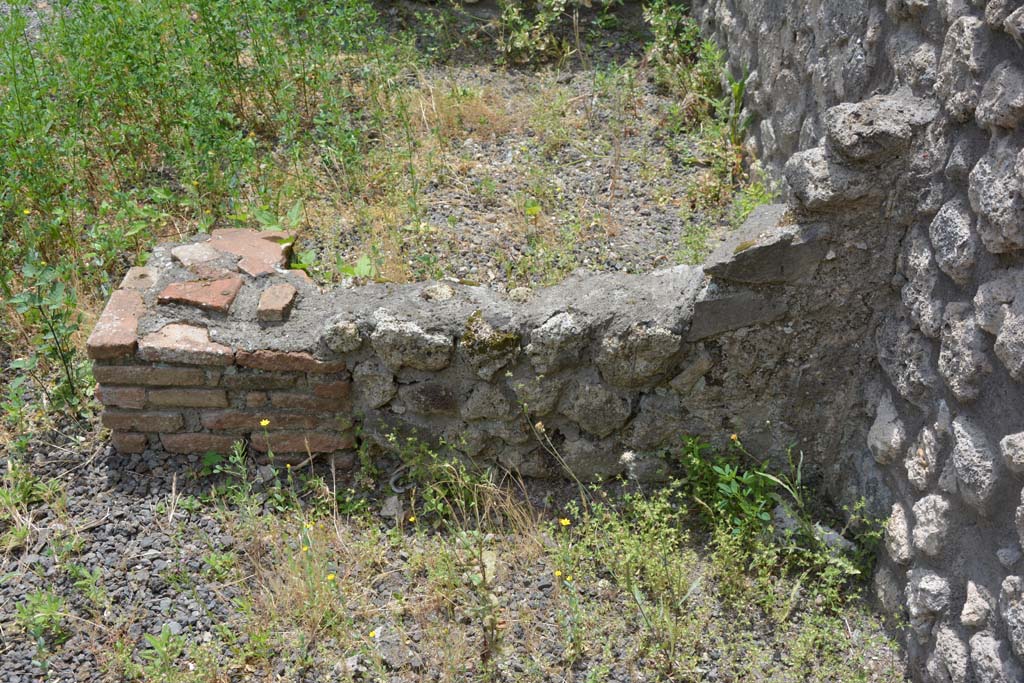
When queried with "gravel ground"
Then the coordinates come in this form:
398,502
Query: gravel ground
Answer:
405,623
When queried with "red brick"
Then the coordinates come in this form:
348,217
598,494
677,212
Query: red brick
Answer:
276,303
189,344
338,390
262,252
256,399
286,361
209,295
188,398
241,420
197,442
139,421
139,278
302,442
121,397
290,400
147,375
116,332
255,379
128,442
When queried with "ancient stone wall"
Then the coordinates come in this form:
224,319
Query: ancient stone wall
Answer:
838,87
213,337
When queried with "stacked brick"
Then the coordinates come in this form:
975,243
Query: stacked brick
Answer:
176,389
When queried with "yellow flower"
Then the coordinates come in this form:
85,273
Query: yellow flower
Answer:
558,572
27,211
735,437
264,423
331,577
412,518
373,634
564,522
569,578
305,548
309,525
287,465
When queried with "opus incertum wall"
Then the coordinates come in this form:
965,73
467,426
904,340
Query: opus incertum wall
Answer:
941,410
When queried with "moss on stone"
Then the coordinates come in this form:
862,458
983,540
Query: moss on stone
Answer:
480,339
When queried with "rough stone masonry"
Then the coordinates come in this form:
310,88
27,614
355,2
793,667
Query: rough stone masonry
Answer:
838,89
876,322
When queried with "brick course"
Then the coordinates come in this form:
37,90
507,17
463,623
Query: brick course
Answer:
146,375
174,387
286,361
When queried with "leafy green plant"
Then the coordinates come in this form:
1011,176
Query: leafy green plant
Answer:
219,565
89,583
163,652
42,614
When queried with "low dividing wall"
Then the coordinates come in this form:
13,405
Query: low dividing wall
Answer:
211,338
943,405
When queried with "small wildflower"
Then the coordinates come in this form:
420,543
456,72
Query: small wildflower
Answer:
27,211
564,522
264,422
331,577
305,548
558,572
569,578
539,426
412,518
373,633
287,465
735,437
309,525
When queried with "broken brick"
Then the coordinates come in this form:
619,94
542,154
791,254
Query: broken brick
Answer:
116,333
286,361
208,295
276,303
263,253
177,343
